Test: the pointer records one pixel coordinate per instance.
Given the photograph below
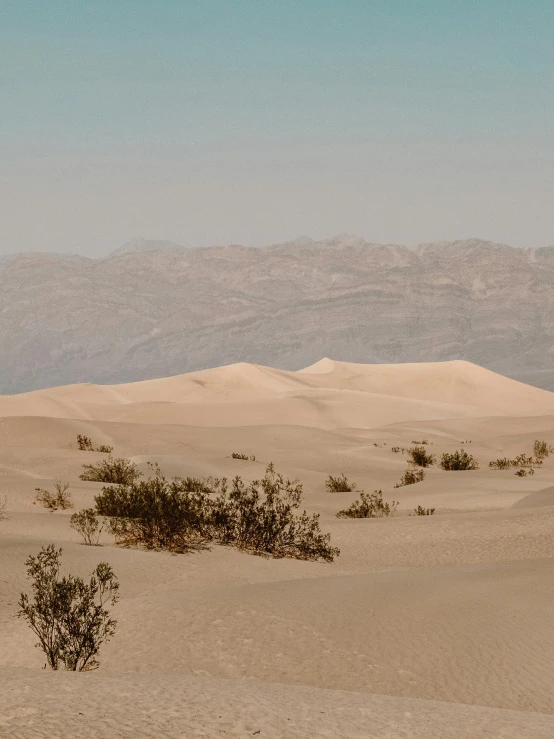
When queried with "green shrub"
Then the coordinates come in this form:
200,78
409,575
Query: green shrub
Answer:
459,460
86,523
339,484
68,616
419,457
61,499
369,506
119,471
178,514
410,477
420,511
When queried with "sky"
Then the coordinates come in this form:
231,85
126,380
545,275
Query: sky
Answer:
255,121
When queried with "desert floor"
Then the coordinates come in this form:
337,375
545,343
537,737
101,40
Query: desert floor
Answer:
424,627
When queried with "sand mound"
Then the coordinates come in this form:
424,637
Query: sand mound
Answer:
449,615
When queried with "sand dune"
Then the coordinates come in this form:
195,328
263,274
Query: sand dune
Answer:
424,627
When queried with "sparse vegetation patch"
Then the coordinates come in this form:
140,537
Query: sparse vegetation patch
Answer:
236,455
339,484
420,457
185,512
420,511
60,499
458,460
369,506
84,444
410,477
118,471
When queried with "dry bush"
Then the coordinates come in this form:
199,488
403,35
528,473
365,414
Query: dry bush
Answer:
84,443
458,460
182,513
410,477
68,616
59,500
420,457
369,506
118,471
423,441
420,511
2,508
522,460
524,473
339,484
86,523
236,455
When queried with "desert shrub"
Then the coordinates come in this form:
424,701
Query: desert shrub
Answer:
395,449
410,477
60,499
84,443
175,515
420,511
119,471
420,457
236,455
369,506
458,460
523,472
522,460
159,514
339,484
68,615
502,463
261,517
423,441
2,508
86,523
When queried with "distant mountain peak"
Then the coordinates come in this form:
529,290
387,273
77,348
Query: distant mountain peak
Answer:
139,245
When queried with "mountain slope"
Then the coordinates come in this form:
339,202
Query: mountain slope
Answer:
144,314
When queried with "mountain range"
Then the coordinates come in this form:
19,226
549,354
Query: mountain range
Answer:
154,308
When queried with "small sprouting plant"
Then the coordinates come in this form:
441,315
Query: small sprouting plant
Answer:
69,616
458,460
60,499
410,477
87,523
369,506
339,484
420,511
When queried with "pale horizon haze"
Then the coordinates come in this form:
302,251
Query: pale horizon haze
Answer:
252,122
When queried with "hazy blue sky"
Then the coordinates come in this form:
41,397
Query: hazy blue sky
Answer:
254,120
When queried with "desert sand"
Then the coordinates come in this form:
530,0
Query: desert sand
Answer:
424,627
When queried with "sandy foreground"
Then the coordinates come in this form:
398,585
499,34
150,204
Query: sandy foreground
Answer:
424,627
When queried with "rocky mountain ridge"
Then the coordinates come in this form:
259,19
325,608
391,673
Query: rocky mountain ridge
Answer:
144,313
